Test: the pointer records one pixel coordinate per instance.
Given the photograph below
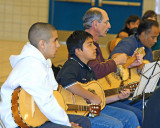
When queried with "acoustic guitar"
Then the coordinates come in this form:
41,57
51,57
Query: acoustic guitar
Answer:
123,69
113,44
92,86
124,76
27,114
131,86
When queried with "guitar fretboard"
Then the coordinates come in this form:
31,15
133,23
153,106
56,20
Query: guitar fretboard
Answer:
131,86
77,107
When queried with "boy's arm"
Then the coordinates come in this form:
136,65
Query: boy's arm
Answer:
80,91
124,94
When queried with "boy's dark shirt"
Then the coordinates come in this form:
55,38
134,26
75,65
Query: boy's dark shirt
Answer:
74,70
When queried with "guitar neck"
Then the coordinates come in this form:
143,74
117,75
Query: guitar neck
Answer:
133,58
114,91
110,92
72,107
129,62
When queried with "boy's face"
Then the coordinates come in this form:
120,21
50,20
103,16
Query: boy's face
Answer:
52,46
89,51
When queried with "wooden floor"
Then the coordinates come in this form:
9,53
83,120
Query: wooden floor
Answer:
8,48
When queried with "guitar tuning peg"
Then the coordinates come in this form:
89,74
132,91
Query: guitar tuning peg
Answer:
91,115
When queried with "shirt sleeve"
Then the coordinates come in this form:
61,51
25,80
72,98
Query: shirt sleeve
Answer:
101,69
125,46
37,81
68,74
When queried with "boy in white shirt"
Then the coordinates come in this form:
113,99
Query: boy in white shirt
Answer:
32,71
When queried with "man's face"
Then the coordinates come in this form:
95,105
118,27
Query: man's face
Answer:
132,25
104,26
150,38
52,46
89,51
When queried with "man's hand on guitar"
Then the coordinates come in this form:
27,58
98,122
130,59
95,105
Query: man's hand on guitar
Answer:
124,94
138,61
120,58
75,125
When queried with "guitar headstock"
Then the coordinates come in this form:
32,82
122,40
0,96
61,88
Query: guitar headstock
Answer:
140,51
94,110
132,86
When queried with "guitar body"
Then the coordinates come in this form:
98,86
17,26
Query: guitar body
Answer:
134,76
71,98
25,111
110,81
27,114
113,43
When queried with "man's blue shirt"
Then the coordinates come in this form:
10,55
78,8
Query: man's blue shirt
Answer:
129,45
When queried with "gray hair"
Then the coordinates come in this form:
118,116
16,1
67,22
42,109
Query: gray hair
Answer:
91,15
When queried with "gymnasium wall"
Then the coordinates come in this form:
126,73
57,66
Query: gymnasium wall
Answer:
16,16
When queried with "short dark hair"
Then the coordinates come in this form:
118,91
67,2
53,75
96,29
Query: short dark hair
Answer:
146,25
40,31
131,18
76,40
149,13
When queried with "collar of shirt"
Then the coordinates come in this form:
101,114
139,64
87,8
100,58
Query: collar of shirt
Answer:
98,48
83,65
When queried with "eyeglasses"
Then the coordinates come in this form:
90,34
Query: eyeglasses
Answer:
106,22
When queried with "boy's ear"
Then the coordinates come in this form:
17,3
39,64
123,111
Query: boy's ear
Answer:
78,51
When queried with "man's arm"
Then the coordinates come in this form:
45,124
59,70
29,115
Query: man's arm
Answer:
102,69
127,46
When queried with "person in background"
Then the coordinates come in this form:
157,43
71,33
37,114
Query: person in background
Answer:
150,14
130,26
32,71
81,49
146,37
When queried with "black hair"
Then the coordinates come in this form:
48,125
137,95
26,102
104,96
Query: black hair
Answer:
131,18
146,25
40,31
76,40
149,13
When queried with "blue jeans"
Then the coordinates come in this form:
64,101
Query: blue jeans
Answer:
112,117
134,108
81,120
